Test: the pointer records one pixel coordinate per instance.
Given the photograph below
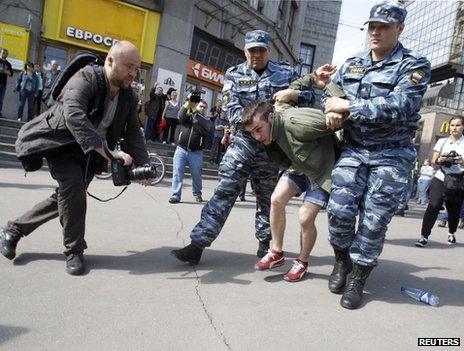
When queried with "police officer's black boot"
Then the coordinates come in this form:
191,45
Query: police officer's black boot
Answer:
8,244
353,294
190,254
342,268
263,248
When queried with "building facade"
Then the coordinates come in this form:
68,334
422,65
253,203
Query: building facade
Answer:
318,36
184,44
436,30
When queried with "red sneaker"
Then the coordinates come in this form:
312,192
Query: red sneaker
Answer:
271,260
297,271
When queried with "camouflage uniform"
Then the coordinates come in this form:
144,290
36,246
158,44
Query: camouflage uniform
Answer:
245,157
377,156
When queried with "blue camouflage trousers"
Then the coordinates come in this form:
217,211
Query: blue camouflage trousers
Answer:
245,157
368,183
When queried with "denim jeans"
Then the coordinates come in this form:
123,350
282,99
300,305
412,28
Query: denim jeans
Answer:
2,95
194,159
423,185
23,96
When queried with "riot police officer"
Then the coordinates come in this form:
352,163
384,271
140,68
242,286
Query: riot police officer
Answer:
256,79
384,87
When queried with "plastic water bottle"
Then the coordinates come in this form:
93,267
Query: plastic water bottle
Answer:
421,296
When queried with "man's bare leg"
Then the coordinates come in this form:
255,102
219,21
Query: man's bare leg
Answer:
307,216
282,194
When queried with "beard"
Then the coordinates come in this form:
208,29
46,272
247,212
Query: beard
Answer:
119,81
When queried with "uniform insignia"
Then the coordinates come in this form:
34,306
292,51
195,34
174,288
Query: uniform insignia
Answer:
356,69
416,77
246,82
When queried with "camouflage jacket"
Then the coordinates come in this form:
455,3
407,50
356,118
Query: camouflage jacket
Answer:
385,97
243,85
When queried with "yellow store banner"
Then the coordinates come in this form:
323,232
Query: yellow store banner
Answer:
97,24
16,40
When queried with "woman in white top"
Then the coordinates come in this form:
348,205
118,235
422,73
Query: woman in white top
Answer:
426,174
437,193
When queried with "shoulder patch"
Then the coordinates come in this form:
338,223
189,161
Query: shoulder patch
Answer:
416,76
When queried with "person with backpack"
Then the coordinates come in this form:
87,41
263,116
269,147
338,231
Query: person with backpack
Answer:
96,107
27,84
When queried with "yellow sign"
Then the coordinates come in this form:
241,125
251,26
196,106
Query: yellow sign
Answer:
16,40
97,24
445,128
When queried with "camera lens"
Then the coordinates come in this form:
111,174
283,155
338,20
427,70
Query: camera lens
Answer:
143,172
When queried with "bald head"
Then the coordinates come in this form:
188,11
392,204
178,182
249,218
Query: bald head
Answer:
122,48
121,64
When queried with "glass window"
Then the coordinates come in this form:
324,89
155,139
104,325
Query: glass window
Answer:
306,58
53,53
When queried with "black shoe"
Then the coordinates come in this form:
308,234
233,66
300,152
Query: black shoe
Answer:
75,263
242,198
342,268
352,297
399,212
190,254
422,242
8,244
442,224
174,200
451,239
263,248
198,199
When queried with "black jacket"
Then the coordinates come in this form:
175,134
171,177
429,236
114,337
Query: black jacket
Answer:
193,130
70,120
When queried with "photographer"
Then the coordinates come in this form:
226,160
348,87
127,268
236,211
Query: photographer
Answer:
70,135
194,126
447,154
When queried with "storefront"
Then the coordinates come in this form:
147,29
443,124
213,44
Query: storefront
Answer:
94,25
209,60
16,40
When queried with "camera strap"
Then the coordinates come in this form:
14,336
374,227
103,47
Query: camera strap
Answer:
88,179
106,200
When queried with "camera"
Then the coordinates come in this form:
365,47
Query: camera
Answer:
122,175
195,96
449,158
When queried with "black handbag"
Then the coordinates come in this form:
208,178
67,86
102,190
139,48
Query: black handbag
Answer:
453,182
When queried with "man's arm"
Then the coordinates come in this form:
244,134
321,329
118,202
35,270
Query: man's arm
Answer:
229,91
185,115
398,106
9,68
133,136
301,86
77,95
